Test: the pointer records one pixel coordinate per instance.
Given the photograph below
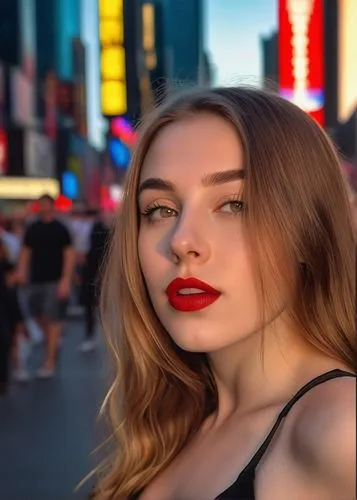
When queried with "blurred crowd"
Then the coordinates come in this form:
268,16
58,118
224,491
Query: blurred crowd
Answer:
49,269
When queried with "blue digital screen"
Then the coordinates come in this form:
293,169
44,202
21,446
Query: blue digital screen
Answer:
119,153
70,185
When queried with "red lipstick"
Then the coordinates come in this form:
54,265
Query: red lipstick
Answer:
190,294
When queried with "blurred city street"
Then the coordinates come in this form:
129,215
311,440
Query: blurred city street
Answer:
77,80
48,427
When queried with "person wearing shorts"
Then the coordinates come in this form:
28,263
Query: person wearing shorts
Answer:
43,301
45,268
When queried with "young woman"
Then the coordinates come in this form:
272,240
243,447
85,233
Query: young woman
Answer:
228,303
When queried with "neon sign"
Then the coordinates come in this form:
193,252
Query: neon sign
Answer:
301,55
123,130
112,61
148,16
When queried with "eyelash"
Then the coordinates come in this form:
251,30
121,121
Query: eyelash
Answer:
151,209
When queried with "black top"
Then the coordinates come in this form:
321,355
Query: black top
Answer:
10,310
243,487
3,288
97,248
47,240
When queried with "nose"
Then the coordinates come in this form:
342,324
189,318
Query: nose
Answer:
189,242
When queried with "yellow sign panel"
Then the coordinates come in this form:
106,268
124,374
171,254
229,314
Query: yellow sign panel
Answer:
27,188
111,32
113,98
110,8
112,64
148,17
148,26
151,61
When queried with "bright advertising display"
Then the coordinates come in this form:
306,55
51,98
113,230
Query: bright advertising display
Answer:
122,140
301,55
3,152
347,59
27,188
112,58
148,16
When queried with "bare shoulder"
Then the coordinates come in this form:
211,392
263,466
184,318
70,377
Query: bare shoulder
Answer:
324,436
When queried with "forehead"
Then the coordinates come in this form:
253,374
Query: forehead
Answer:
197,145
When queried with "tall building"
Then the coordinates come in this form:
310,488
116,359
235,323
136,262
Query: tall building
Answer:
179,53
269,45
330,63
57,26
154,48
143,56
90,37
207,72
10,36
183,52
27,151
43,97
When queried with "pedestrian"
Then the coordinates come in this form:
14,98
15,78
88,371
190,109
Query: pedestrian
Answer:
46,268
19,335
5,322
11,240
228,303
93,261
80,225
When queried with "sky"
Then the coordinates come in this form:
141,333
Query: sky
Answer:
232,37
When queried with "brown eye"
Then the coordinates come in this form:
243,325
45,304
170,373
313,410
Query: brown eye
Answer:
165,212
157,213
233,207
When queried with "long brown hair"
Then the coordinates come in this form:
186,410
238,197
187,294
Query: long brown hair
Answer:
295,192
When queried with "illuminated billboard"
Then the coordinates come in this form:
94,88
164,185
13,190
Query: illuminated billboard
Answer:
112,58
148,18
3,151
27,188
301,55
347,58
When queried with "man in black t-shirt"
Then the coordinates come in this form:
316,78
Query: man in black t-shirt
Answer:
46,266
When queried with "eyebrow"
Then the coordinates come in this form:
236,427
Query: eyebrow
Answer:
208,180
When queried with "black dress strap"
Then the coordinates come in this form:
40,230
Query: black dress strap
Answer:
306,388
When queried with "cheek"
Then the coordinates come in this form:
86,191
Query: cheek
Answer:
143,252
149,260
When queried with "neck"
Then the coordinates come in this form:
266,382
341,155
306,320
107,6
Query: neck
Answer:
264,369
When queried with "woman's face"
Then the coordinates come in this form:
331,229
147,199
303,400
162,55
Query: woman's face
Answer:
192,227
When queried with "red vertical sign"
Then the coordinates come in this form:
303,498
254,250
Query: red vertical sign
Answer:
3,152
301,55
50,98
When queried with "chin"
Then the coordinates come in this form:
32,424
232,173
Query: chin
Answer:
195,341
190,346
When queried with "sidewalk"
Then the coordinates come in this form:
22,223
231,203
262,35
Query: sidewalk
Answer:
48,427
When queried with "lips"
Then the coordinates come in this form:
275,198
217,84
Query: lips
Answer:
191,294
